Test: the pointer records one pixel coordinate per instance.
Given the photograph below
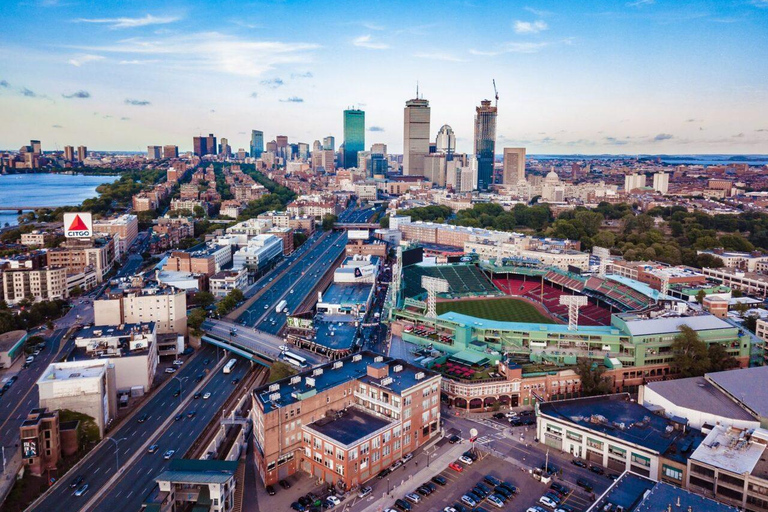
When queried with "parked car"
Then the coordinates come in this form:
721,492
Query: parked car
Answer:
492,480
565,491
403,506
298,507
333,500
170,369
499,416
439,480
396,465
498,502
472,455
468,501
384,472
284,484
547,502
456,467
365,492
407,457
597,469
579,463
271,490
466,460
454,439
584,484
413,497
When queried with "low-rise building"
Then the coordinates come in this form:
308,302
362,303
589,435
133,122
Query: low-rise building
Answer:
259,253
11,347
750,283
125,228
78,255
190,484
21,280
222,283
36,238
166,306
40,441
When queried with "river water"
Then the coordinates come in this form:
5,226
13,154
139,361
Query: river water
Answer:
46,190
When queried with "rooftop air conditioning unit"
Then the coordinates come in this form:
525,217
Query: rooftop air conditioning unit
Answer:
309,381
337,364
274,397
397,368
386,381
295,379
378,359
356,357
419,375
274,387
317,371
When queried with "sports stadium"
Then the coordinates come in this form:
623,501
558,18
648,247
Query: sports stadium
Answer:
500,332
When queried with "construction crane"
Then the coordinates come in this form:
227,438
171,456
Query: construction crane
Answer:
496,93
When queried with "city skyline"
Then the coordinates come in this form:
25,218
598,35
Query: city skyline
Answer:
612,77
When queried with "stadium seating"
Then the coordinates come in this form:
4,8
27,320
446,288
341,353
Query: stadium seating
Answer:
517,285
462,279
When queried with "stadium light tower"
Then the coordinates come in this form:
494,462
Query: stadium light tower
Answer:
664,288
396,276
574,302
433,285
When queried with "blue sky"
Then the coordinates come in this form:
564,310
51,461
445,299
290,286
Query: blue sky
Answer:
651,76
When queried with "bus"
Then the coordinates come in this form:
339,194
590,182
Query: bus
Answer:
294,359
230,364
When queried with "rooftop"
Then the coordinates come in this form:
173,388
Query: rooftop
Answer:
195,471
662,496
116,331
347,293
482,323
334,334
626,492
746,385
9,339
671,325
699,394
73,370
349,426
734,450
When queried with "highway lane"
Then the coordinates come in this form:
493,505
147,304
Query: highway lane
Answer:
138,480
100,462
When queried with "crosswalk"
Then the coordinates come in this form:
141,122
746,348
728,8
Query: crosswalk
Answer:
490,438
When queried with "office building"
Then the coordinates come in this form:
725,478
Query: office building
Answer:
222,283
354,136
257,143
154,153
165,306
87,387
415,136
224,148
661,182
379,149
514,166
344,421
446,140
329,143
69,153
170,151
485,143
260,251
124,228
281,147
303,151
199,146
210,144
77,256
82,153
40,441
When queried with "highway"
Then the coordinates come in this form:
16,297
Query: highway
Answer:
138,478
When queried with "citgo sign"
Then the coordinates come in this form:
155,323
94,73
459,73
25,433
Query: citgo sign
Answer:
78,225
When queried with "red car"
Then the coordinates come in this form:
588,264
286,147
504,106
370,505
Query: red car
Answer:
456,467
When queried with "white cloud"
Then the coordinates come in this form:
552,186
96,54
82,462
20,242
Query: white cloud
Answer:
211,51
447,57
640,3
530,27
538,12
365,42
84,59
131,22
512,48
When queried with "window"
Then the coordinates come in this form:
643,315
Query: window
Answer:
573,436
353,454
593,443
672,473
364,449
619,452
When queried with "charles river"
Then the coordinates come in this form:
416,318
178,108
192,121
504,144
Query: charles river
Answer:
46,190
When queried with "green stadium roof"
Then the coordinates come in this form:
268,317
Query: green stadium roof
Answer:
471,357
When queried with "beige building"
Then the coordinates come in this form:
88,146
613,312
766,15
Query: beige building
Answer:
514,166
21,279
165,306
125,227
77,256
35,238
415,136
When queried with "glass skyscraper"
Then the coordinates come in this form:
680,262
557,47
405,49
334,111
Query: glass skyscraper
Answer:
485,143
257,143
354,136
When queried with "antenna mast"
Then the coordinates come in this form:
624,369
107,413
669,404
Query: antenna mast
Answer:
496,93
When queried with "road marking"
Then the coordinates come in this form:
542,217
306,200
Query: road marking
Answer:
96,471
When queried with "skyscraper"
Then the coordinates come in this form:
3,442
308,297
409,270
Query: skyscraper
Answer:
257,143
199,146
514,166
415,136
170,151
82,153
69,153
354,135
485,143
224,148
446,140
153,153
661,182
210,144
329,143
282,147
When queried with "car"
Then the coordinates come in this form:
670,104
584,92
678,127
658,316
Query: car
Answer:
206,396
499,416
199,377
456,467
564,508
454,439
304,501
511,488
82,490
77,481
460,507
167,455
429,485
466,460
547,502
496,500
535,508
407,457
170,369
468,501
554,497
402,505
510,414
178,417
597,469
423,491
613,476
197,395
484,487
396,465
384,472
271,490
235,381
334,500
492,480
473,494
584,484
298,507
579,463
191,414
143,418
365,492
503,491
178,362
176,393
206,361
449,509
413,497
439,480
565,491
472,455
152,448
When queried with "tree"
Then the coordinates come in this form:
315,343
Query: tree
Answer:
196,318
384,222
204,299
298,239
719,359
691,357
76,291
329,221
593,380
700,295
236,295
199,211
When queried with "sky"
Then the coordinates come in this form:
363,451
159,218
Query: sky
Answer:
623,77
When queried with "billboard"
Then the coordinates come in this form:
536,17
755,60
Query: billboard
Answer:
29,448
299,323
358,234
78,225
413,256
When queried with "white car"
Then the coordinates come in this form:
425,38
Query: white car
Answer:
468,501
170,369
547,502
495,501
365,492
178,362
413,497
167,455
449,509
396,465
407,457
511,414
466,460
206,396
333,499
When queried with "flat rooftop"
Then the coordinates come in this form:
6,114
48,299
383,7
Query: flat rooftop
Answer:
9,339
746,385
699,394
618,417
349,426
73,370
662,496
193,471
626,492
335,335
731,449
120,331
347,293
671,325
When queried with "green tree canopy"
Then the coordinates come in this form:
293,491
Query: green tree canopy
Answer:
691,356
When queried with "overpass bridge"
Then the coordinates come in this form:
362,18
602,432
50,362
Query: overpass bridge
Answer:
356,225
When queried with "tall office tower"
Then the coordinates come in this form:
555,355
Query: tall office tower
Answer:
210,144
329,160
341,156
272,147
485,143
316,146
257,143
303,151
170,151
282,146
37,149
199,146
354,136
661,182
82,153
379,149
379,164
329,142
224,148
415,136
292,152
446,140
514,166
153,153
69,153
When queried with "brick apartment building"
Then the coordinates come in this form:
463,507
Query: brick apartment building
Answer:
77,256
345,421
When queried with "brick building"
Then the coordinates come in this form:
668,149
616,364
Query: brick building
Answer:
40,442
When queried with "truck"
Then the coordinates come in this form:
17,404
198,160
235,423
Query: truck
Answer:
281,306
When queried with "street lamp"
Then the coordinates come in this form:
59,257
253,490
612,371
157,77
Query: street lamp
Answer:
180,381
117,452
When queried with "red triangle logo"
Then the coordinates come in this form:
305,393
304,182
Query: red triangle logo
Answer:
78,225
